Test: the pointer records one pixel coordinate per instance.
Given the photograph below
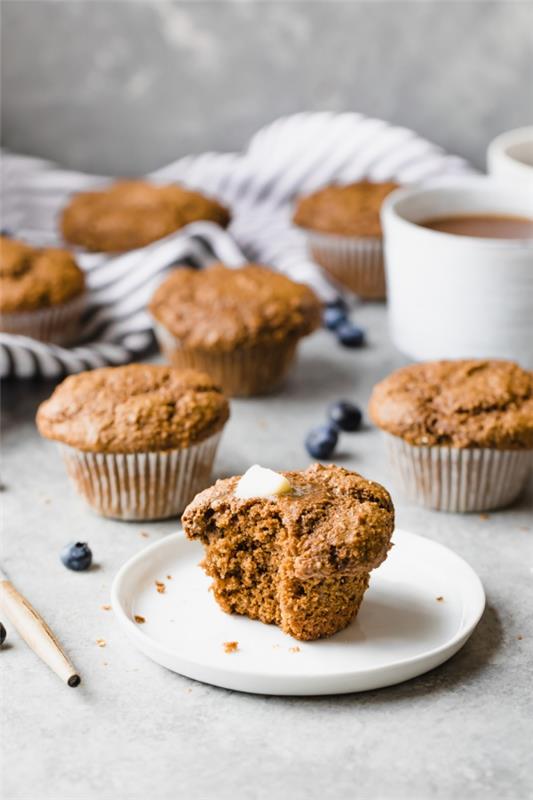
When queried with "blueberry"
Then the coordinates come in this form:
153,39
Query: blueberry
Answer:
3,634
77,556
321,442
346,416
333,317
350,335
339,302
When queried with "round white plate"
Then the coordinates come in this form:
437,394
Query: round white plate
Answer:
422,605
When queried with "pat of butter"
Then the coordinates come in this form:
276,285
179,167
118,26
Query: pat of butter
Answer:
262,482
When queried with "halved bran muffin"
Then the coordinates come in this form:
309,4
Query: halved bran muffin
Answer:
301,560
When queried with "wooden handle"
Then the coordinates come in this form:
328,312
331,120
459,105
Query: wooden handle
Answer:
36,633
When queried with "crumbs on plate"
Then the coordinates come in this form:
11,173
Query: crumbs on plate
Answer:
101,642
294,649
160,586
440,599
139,620
231,647
106,607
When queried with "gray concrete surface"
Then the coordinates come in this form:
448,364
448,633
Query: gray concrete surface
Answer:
134,731
125,87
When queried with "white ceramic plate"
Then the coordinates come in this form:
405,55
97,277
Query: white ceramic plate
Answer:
401,631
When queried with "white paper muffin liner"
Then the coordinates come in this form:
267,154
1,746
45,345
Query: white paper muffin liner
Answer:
56,324
242,372
458,479
357,264
141,486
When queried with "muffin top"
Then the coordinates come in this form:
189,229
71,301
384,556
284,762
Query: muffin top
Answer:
351,210
130,214
338,521
32,278
472,403
132,409
220,308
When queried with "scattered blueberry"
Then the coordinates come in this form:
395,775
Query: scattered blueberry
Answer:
333,317
321,442
350,335
77,556
3,634
346,416
339,302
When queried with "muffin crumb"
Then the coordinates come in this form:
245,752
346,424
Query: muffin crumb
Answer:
101,642
440,599
139,619
294,649
106,607
231,647
160,587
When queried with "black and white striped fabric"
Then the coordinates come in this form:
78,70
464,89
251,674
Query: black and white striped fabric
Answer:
294,155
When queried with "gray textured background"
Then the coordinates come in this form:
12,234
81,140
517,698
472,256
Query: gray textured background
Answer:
123,87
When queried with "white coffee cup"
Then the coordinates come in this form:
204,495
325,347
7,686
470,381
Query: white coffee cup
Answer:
452,296
510,157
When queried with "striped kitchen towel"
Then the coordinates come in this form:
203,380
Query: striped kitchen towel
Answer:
294,155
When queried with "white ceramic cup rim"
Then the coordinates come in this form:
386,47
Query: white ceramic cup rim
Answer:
465,191
502,144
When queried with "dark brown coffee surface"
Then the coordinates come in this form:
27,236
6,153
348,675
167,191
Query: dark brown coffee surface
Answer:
485,226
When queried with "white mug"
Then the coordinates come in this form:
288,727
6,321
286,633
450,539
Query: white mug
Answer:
452,296
510,157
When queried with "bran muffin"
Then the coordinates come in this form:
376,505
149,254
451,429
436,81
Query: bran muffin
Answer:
42,292
131,214
300,560
242,326
138,441
343,231
459,433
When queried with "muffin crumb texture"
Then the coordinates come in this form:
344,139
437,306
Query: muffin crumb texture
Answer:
462,404
300,560
36,278
131,214
351,210
136,408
